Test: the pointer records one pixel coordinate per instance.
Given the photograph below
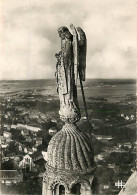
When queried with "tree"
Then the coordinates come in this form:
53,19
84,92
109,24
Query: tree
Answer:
8,165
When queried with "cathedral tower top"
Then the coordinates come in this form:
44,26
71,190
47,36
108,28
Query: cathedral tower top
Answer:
70,166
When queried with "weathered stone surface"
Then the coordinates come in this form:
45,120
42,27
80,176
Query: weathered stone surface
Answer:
71,150
70,165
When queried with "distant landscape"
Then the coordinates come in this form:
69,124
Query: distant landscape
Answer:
29,118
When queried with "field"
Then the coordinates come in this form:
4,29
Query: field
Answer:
111,108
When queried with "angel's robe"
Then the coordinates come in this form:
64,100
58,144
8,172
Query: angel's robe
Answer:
66,82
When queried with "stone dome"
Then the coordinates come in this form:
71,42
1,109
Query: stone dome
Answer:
71,150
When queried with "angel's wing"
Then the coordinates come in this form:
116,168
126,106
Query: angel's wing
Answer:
82,48
75,51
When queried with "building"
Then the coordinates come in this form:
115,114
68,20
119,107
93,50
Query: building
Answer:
27,163
7,127
20,148
9,177
8,140
4,146
84,118
26,150
99,157
135,145
52,131
128,145
123,115
28,139
2,140
13,126
21,126
27,127
103,137
25,132
106,187
7,135
34,129
34,149
111,166
45,156
38,141
5,159
36,156
16,159
30,151
132,117
127,118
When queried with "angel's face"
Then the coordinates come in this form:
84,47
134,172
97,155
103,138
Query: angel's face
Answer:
61,32
64,33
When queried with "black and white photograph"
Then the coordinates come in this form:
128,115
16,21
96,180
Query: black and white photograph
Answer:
68,97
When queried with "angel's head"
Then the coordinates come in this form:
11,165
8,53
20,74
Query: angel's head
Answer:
64,33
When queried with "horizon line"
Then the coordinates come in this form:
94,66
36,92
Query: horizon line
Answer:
55,79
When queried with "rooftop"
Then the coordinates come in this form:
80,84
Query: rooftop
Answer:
9,173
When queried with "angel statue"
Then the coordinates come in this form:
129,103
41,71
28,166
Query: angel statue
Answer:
71,64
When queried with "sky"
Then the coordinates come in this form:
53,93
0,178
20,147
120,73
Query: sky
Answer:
29,38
